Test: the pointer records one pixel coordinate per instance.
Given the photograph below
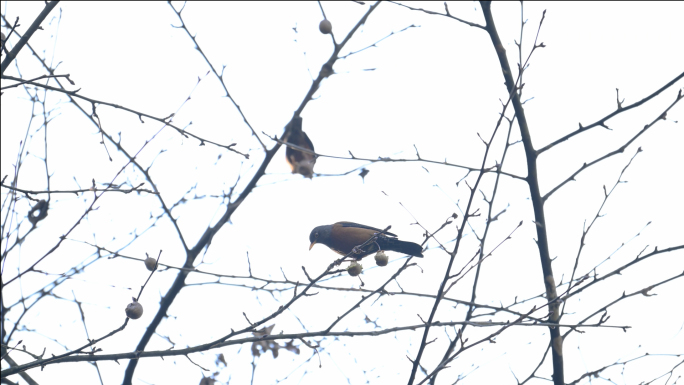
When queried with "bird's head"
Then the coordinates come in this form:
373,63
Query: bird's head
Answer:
320,234
305,168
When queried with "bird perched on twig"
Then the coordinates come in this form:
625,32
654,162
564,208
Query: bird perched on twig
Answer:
300,162
344,237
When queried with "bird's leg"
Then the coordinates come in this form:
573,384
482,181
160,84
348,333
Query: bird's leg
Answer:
357,250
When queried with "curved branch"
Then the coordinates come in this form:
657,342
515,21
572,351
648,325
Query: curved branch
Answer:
602,121
447,14
618,151
166,120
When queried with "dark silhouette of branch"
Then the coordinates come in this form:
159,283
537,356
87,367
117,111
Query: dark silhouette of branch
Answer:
376,43
620,150
452,255
275,337
95,189
167,120
586,230
40,78
446,14
27,36
535,194
595,373
602,122
220,77
390,160
620,269
645,292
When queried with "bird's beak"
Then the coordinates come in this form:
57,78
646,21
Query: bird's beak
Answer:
312,243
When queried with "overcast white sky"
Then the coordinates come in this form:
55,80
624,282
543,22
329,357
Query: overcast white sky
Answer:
435,86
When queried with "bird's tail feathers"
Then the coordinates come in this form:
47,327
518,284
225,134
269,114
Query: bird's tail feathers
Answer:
409,248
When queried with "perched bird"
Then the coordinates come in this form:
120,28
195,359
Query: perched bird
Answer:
300,162
343,237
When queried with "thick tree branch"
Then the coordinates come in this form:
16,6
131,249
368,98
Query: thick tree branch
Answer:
27,36
535,195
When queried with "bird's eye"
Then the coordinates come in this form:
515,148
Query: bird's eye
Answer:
316,235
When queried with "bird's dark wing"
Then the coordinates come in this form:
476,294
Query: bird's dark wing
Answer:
306,142
300,162
295,156
296,124
360,226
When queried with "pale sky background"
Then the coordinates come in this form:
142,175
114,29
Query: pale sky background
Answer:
434,86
